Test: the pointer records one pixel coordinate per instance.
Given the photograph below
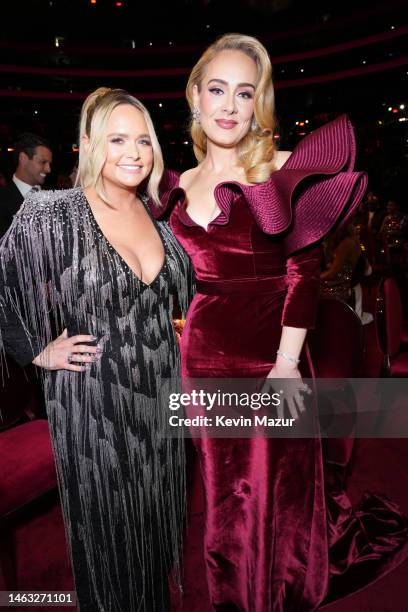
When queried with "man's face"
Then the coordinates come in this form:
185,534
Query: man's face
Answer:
34,171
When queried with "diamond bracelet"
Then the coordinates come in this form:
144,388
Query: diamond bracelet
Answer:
288,357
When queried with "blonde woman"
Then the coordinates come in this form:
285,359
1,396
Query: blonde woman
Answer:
92,262
251,218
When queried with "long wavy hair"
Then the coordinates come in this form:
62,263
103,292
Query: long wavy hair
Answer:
95,114
256,151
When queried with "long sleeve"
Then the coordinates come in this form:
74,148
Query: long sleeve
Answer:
23,289
303,271
16,337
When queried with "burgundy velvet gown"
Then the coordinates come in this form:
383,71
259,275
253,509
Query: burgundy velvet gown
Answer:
257,266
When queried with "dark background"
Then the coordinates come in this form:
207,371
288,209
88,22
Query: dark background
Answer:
54,52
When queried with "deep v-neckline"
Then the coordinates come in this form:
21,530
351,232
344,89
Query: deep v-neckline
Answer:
98,230
187,214
205,229
194,223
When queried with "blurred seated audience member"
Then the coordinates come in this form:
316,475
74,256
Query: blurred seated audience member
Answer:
368,222
344,265
375,212
370,213
3,180
33,158
394,232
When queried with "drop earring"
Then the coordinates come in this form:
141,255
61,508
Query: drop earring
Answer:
254,124
196,115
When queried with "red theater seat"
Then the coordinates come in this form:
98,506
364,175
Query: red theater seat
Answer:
27,478
27,462
389,324
337,341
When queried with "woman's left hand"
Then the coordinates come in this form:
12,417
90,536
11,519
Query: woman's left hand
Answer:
291,389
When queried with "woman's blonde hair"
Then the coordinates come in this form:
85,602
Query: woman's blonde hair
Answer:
95,114
257,149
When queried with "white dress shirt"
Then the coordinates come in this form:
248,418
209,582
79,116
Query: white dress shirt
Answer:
24,188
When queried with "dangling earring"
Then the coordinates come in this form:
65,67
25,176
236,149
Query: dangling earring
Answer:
254,124
196,115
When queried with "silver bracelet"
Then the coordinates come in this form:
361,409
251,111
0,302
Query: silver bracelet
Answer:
288,357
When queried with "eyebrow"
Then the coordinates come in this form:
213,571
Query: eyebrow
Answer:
225,83
122,135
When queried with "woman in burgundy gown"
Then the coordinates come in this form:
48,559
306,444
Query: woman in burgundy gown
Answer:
251,219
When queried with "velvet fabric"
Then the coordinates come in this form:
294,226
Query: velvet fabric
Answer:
242,278
394,346
338,326
233,329
257,268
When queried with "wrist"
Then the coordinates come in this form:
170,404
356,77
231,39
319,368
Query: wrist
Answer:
284,365
285,357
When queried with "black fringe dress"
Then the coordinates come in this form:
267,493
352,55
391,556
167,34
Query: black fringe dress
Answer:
121,472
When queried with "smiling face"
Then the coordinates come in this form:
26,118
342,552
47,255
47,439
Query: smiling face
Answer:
225,97
34,171
129,152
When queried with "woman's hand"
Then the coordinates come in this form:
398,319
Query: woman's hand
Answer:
283,369
291,388
66,353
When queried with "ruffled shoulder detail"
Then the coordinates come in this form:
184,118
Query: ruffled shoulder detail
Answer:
314,190
169,192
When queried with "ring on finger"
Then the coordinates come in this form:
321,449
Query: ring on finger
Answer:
69,358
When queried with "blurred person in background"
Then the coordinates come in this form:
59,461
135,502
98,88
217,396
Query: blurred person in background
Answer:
34,158
344,265
392,228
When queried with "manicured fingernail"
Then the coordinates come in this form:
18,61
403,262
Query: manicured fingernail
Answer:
99,349
93,338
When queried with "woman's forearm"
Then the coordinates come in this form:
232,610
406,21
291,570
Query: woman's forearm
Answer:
291,343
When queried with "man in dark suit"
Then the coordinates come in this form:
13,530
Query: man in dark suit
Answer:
34,158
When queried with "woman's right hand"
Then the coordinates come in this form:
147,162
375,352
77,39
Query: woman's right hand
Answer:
67,353
292,388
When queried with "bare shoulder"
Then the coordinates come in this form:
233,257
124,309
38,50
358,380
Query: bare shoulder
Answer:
281,157
187,177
